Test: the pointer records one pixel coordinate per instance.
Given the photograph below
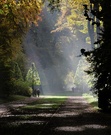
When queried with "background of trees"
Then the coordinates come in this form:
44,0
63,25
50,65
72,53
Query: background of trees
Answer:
57,45
17,17
13,68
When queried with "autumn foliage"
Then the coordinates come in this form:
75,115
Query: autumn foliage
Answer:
16,16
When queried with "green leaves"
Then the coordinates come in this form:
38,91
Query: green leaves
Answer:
32,76
15,18
1,12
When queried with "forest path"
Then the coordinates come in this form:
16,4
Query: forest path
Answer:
74,117
5,107
77,117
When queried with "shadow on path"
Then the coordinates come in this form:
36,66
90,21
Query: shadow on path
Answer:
76,117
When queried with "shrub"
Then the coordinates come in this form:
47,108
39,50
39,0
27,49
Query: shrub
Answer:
21,88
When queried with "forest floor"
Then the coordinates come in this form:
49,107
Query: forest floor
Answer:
74,117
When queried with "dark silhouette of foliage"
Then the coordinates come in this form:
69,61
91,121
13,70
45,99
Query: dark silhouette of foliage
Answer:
54,5
92,14
100,57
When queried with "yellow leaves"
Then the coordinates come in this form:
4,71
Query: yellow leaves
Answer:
22,11
72,18
71,12
29,11
3,1
15,18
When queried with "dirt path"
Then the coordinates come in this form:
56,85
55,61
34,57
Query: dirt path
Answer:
5,108
76,117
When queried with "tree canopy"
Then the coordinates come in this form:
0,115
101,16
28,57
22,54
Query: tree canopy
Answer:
15,18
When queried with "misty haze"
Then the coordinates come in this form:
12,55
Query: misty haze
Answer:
55,71
55,51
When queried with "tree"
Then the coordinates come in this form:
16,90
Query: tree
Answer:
32,76
82,80
92,13
15,18
59,40
100,57
71,16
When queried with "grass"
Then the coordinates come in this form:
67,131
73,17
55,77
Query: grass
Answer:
30,119
92,100
12,98
68,93
46,102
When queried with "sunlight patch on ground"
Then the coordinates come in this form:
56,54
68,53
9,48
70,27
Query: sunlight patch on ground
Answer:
66,114
28,122
69,128
48,96
17,105
47,104
19,115
81,128
45,115
95,126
